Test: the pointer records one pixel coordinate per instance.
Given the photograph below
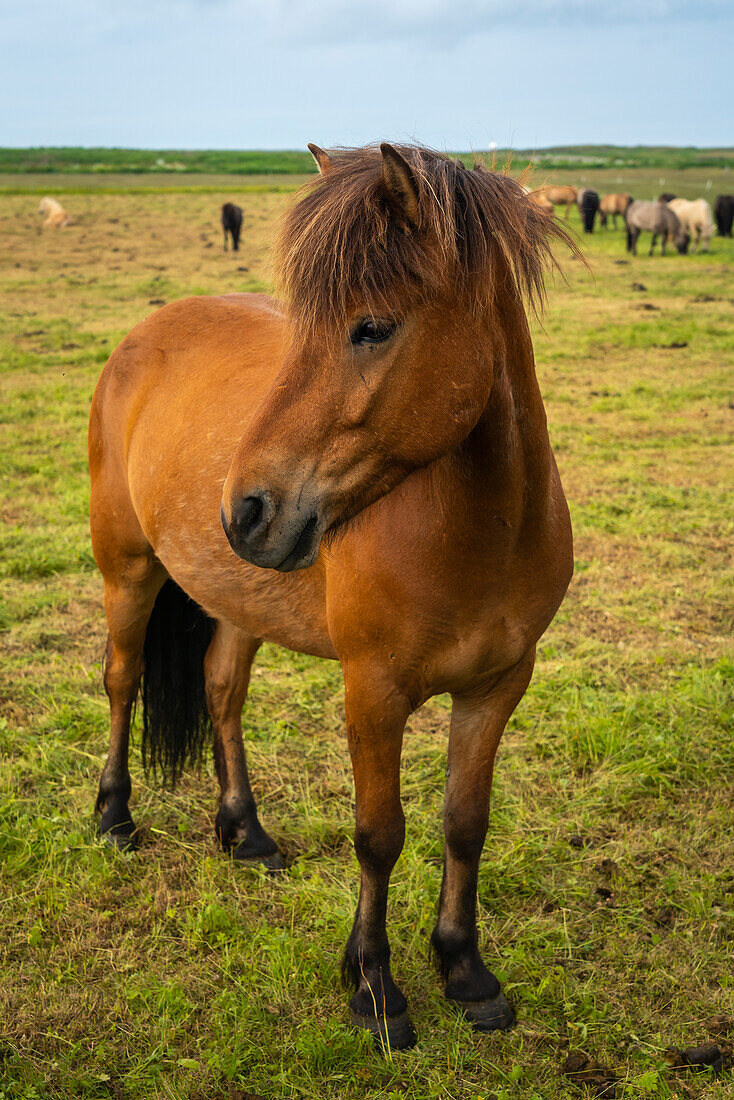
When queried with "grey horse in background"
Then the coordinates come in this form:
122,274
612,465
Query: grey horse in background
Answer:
656,218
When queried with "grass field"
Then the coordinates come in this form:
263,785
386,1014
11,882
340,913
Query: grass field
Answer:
607,888
644,183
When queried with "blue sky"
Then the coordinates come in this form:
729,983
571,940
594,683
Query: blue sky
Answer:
450,73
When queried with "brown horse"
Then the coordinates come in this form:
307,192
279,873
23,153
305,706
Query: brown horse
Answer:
540,200
389,499
613,205
564,195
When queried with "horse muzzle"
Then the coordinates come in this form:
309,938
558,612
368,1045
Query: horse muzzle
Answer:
272,533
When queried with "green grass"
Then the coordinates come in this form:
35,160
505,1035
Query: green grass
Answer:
55,160
174,974
63,159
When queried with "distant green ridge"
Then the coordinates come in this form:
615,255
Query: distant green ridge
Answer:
69,159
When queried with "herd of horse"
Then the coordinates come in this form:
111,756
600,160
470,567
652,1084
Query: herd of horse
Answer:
358,470
691,223
681,222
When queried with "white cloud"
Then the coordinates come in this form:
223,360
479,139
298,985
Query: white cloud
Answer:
444,23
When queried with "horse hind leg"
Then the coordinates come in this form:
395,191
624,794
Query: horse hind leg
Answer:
227,675
129,600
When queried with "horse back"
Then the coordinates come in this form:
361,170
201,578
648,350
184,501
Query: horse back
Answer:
179,350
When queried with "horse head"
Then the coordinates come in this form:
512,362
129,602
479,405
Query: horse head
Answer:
398,268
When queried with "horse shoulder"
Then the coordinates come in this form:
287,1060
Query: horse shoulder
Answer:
191,373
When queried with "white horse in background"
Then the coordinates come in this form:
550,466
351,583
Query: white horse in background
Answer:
56,216
696,217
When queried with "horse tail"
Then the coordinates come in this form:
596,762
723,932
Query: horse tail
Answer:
176,722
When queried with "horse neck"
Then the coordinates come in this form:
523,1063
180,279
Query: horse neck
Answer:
509,447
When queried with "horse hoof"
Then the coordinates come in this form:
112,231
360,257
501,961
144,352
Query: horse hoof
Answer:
388,1032
494,1014
272,862
121,842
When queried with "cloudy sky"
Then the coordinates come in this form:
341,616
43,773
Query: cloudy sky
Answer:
451,73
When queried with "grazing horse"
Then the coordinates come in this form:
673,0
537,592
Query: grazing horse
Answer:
724,214
539,200
667,196
588,203
378,448
232,224
613,205
658,219
56,216
559,196
696,219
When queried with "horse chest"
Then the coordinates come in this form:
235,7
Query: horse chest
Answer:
439,609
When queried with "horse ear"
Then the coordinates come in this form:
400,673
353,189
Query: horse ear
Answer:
322,158
398,183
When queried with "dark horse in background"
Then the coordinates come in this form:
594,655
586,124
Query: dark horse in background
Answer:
588,203
378,450
724,215
232,224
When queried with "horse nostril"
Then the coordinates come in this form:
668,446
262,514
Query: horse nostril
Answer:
249,520
250,517
246,516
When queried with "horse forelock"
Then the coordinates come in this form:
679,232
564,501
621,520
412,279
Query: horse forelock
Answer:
343,242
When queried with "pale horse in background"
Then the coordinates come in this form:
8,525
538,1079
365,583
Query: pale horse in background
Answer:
696,217
56,216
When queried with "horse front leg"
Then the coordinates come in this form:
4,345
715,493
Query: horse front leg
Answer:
227,668
478,721
376,715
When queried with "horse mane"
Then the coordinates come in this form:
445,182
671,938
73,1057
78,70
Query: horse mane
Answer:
343,241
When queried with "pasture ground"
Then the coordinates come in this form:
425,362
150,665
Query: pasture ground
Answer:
607,888
644,183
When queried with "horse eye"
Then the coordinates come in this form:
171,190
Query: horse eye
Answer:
371,331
